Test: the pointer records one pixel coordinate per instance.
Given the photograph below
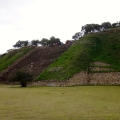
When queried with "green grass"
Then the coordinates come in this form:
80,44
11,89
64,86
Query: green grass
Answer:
103,47
11,57
60,103
69,62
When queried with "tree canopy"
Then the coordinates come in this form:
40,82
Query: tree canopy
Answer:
43,42
20,43
35,42
91,28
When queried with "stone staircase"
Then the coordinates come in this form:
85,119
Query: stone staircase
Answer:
36,60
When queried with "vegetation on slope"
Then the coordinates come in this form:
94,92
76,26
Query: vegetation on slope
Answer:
12,56
101,46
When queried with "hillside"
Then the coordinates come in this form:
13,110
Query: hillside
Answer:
40,57
13,56
101,48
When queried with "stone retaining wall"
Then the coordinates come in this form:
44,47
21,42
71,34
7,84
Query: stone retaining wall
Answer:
82,78
112,78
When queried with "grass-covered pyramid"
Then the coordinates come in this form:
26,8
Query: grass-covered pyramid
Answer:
102,46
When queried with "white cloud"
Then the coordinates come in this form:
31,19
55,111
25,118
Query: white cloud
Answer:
37,19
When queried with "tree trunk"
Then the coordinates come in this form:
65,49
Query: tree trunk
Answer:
23,84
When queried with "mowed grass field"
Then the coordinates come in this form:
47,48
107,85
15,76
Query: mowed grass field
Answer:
60,103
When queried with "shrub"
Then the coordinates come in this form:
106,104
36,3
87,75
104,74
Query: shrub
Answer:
22,77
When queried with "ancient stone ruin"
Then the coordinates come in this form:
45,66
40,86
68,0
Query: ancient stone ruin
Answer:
36,61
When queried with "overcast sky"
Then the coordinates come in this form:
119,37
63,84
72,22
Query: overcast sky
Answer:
37,19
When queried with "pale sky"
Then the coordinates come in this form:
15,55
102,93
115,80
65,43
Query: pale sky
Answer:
37,19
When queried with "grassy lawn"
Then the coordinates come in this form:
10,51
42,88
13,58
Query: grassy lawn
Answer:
60,103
